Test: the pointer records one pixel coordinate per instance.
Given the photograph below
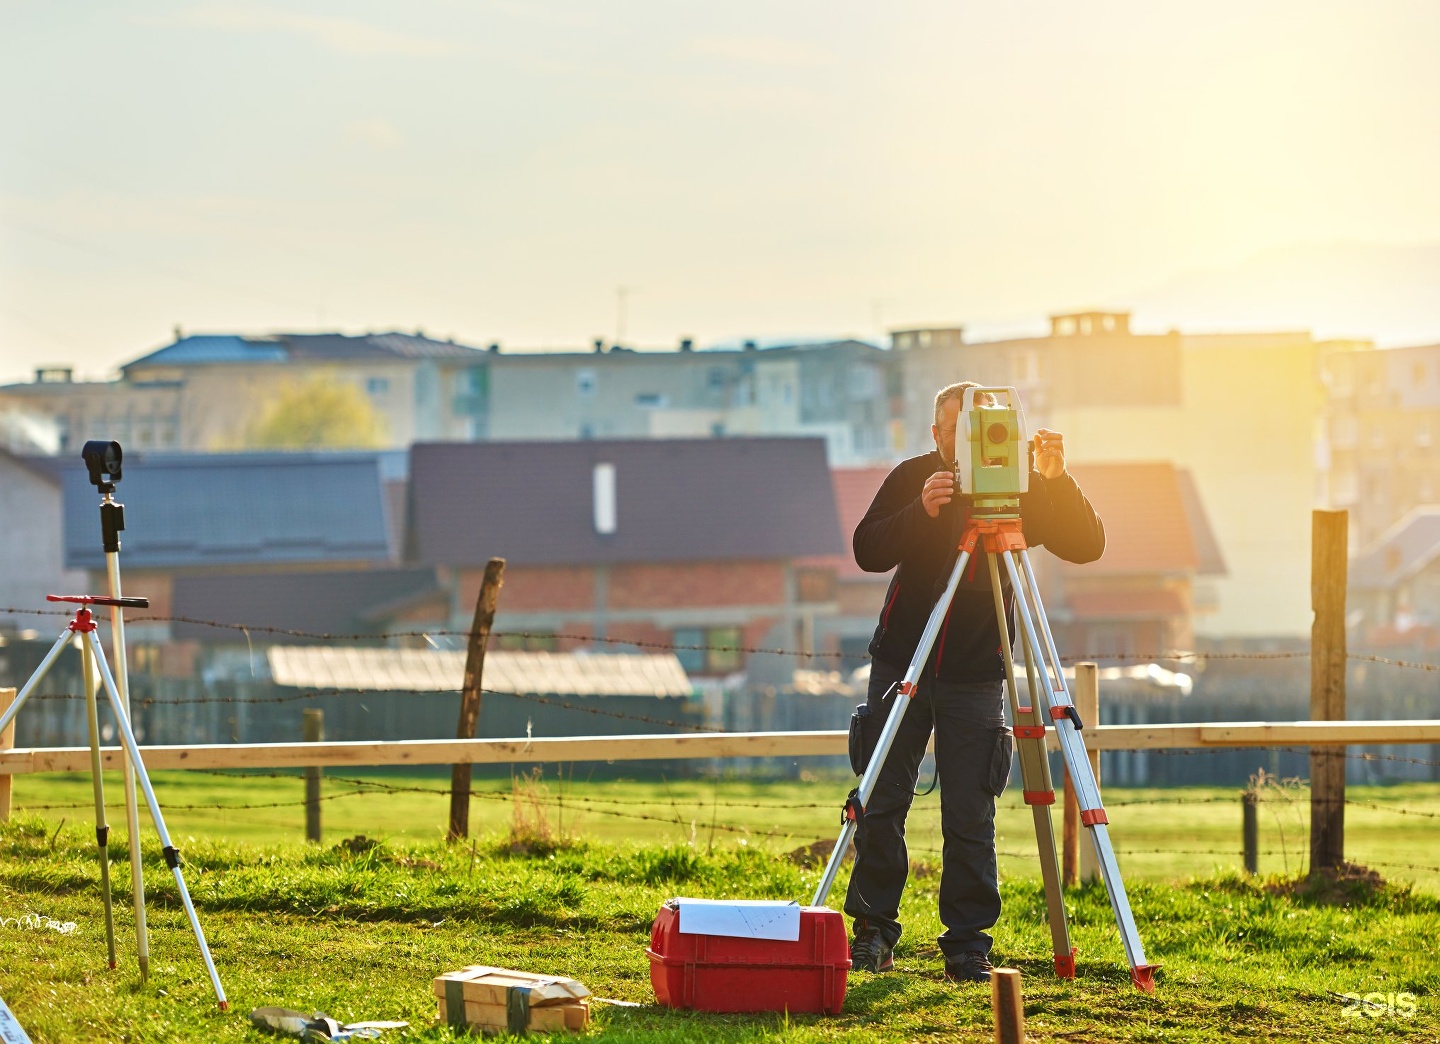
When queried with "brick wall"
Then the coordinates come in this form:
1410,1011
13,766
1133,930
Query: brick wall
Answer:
680,585
535,589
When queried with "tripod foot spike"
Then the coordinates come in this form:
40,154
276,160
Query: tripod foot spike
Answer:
144,968
1065,964
223,1005
1143,976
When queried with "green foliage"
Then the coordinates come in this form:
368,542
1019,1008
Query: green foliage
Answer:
320,412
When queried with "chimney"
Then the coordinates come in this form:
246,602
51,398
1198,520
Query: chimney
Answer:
687,345
599,344
179,332
494,348
750,346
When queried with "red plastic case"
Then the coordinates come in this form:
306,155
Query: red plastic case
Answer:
719,973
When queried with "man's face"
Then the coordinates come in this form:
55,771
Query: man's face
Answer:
944,432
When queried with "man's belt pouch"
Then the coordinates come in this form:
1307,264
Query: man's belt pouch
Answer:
862,739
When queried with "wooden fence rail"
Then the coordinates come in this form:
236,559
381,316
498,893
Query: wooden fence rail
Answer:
1208,736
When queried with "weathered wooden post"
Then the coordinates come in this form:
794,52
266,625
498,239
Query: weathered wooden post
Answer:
1250,829
1077,859
1328,565
485,605
314,732
7,741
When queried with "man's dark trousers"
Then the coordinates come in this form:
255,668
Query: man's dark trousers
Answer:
972,753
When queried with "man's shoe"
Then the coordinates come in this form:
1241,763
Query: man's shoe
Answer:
970,966
868,952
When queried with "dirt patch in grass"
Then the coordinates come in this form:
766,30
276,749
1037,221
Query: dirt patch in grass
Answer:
1348,884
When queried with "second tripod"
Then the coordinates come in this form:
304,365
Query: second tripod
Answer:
83,628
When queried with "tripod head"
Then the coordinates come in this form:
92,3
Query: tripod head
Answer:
123,602
992,452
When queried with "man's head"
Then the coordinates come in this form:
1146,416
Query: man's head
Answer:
948,401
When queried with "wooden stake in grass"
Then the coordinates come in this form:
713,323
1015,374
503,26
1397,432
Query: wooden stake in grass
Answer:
1007,1005
485,605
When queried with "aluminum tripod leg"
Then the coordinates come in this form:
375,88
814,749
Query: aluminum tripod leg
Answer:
172,855
906,689
1039,791
132,807
35,679
40,672
1041,652
102,827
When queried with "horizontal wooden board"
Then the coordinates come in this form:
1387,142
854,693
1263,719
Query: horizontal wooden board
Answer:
1209,735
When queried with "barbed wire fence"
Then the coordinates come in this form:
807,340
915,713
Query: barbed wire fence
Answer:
645,810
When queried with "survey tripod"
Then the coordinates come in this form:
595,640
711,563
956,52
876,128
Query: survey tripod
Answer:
988,440
104,462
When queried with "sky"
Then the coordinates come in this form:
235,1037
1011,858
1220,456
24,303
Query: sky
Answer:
508,172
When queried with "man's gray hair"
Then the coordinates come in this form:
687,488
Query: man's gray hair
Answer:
952,391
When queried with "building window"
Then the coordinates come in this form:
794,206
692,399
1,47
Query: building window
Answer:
377,385
710,650
585,383
650,400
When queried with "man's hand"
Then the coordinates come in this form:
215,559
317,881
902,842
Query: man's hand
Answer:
939,488
1049,453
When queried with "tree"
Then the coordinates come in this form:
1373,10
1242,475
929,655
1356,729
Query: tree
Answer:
318,412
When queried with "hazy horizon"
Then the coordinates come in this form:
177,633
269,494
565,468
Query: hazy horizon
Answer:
494,172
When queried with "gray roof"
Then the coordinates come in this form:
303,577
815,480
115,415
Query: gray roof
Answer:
345,601
225,509
1403,550
200,349
677,500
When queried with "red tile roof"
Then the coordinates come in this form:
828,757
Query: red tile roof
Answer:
1154,522
854,488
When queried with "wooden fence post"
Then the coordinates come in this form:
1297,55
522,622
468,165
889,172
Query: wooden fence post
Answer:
1250,830
1078,860
1328,566
7,741
314,732
485,605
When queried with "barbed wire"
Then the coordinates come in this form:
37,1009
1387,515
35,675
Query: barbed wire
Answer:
1179,655
1396,811
1180,752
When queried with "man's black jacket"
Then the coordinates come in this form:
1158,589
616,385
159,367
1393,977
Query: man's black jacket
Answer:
896,531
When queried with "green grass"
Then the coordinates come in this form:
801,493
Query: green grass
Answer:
361,934
1159,834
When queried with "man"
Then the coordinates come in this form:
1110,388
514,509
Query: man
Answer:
914,527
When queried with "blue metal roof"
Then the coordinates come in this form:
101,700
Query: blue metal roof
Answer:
217,509
213,348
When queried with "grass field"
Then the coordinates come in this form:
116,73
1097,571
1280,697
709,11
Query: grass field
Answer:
361,935
1158,833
